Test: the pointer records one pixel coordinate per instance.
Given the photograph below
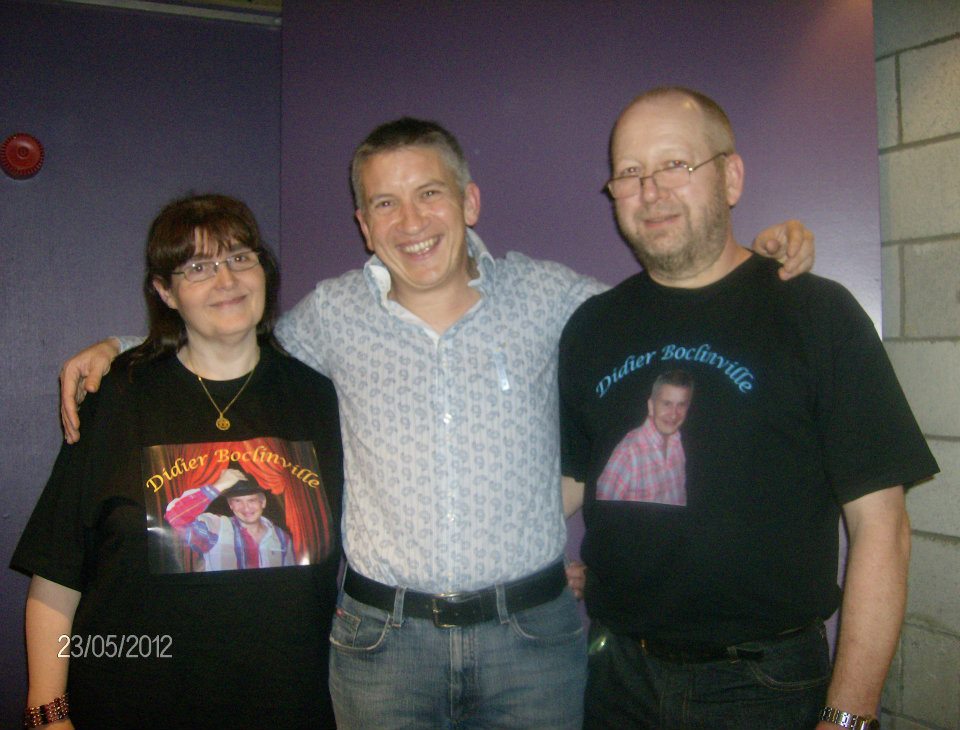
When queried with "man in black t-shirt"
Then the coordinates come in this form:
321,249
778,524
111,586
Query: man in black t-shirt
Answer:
707,611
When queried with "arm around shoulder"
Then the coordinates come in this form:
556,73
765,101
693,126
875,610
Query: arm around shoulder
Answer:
303,332
81,374
790,243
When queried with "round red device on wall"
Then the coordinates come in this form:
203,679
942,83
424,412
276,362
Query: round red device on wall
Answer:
21,155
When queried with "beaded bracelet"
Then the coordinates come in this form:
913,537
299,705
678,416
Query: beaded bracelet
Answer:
59,709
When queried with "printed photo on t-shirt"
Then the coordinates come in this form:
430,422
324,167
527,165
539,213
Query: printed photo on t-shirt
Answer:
235,505
649,465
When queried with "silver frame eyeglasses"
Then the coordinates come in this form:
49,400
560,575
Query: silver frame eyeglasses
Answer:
668,178
204,269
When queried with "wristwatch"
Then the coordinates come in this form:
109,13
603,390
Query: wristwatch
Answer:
849,720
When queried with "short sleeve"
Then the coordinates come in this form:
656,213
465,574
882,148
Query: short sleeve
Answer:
575,445
52,544
870,437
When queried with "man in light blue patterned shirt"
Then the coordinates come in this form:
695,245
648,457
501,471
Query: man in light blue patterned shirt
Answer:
445,363
454,606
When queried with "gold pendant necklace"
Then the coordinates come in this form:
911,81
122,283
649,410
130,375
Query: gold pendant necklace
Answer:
223,423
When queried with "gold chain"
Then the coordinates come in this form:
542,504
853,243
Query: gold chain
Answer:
223,423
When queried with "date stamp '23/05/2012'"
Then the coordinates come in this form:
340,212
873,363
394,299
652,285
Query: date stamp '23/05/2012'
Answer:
115,646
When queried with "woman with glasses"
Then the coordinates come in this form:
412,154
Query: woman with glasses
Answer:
184,554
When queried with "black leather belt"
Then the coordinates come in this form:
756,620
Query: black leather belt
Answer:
684,652
448,610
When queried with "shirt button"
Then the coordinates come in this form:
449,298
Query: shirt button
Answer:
451,517
447,418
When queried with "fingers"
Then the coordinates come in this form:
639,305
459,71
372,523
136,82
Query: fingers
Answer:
236,475
771,242
91,381
799,253
72,393
227,478
74,386
71,427
791,243
576,578
81,374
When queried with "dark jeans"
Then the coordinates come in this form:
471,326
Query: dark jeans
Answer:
783,690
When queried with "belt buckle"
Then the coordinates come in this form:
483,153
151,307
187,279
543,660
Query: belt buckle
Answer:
459,608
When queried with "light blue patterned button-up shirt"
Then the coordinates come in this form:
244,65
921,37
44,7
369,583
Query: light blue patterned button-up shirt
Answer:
451,441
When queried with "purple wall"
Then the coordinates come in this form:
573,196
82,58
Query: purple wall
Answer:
532,89
133,110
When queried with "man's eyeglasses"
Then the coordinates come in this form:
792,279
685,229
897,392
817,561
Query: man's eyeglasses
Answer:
207,269
674,176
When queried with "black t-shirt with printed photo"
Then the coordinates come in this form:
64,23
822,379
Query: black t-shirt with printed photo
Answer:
795,410
214,647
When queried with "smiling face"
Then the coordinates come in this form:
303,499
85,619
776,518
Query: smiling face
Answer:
668,408
248,508
414,217
677,234
224,309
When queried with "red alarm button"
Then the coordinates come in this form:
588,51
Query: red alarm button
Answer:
21,155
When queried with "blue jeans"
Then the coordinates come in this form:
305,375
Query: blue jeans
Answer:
783,690
526,670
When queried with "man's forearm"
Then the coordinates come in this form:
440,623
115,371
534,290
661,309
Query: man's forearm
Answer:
874,600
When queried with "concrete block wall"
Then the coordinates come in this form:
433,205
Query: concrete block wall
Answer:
918,94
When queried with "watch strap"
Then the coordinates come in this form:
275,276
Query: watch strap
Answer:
849,720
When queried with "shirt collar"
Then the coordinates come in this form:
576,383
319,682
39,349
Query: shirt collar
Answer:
378,276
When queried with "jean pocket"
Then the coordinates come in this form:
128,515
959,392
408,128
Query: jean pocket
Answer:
796,664
357,627
554,622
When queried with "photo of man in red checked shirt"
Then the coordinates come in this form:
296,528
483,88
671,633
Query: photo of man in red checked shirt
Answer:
649,465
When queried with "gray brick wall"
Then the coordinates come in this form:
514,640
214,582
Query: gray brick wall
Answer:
918,97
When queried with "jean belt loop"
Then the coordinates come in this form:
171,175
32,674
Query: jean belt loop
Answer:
502,612
397,616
